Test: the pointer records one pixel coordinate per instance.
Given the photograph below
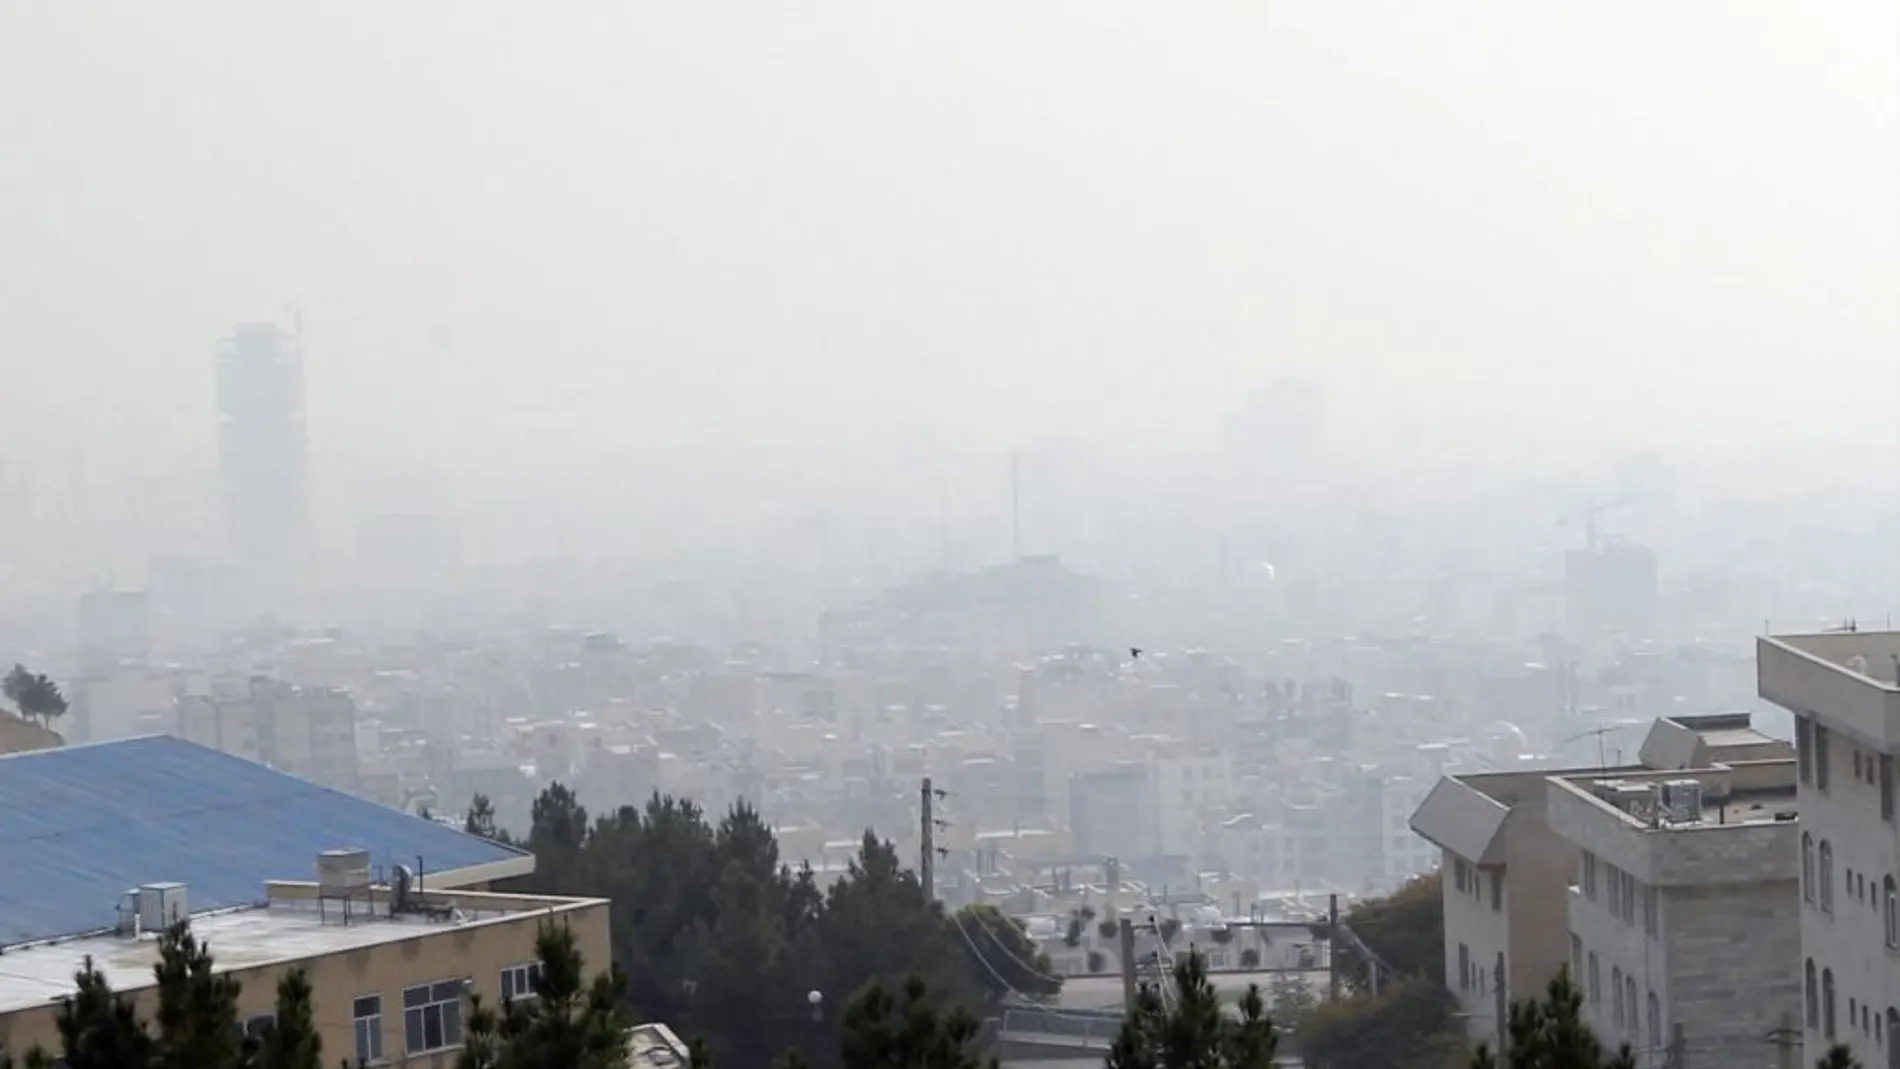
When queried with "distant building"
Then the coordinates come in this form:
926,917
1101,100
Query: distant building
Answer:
262,441
1113,813
114,626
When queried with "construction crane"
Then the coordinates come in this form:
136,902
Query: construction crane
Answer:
1590,514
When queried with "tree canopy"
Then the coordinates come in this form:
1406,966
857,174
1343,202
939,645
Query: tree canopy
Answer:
34,694
1409,1023
1179,1023
1550,1033
721,939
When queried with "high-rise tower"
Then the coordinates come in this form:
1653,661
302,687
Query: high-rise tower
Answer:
262,443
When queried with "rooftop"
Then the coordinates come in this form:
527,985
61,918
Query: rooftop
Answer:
81,824
287,928
1847,678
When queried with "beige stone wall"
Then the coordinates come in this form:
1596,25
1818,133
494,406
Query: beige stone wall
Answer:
476,952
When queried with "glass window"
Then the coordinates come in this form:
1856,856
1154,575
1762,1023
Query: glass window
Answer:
1804,748
368,1014
1590,875
1807,866
1890,906
432,1017
517,981
1886,786
1497,891
1616,996
1827,1003
1813,991
1655,1022
1651,921
1820,757
1595,991
1630,1020
1826,876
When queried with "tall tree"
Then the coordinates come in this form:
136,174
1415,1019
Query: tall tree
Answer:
1550,1033
906,1029
197,1014
98,1028
480,820
292,1041
34,694
1184,1026
571,1022
1838,1056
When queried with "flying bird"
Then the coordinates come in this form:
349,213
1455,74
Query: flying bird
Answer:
1134,653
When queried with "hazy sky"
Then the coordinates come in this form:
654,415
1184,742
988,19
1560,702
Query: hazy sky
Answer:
517,229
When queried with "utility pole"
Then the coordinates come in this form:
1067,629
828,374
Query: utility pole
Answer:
927,863
1332,946
1126,949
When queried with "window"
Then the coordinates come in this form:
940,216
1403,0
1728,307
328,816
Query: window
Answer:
1813,991
255,1027
1613,881
1616,996
1827,1003
1651,920
1464,967
1890,906
1595,992
1820,757
1461,874
1497,891
1589,875
432,1016
1804,748
1827,876
517,981
1655,1022
368,1011
1576,957
1629,900
1629,998
1807,866
1886,787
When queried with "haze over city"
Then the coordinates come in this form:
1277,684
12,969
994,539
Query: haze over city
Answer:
1207,461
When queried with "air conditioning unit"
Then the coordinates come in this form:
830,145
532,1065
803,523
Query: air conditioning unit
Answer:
1681,801
341,872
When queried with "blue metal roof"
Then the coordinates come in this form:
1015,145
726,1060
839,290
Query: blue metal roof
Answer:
79,825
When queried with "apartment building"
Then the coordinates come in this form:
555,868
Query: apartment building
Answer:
1843,692
391,970
1684,920
1506,876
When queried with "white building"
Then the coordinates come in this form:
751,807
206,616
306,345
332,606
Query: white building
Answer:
1684,924
1505,878
1841,688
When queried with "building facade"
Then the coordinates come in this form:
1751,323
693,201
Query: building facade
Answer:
389,985
1683,917
1842,689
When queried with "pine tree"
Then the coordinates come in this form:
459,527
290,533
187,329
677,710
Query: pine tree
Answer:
1183,1026
1838,1056
570,1023
904,1029
197,1007
1550,1033
98,1029
292,1041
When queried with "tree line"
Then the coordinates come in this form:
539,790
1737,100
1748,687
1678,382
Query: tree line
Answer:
722,939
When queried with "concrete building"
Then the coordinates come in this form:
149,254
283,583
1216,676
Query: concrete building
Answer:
388,985
1842,689
262,441
1506,879
1684,923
